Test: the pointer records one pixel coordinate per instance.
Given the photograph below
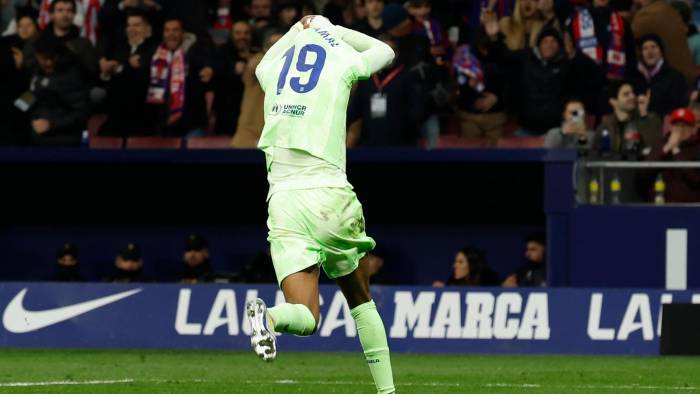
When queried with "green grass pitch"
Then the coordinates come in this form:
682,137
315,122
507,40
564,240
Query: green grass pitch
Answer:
134,371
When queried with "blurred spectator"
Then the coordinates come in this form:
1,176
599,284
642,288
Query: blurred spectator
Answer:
68,269
470,269
259,269
391,106
372,23
180,71
286,13
606,37
129,264
260,9
522,28
630,116
548,14
434,80
681,144
424,25
229,88
57,102
396,22
125,72
685,12
658,17
220,29
543,77
12,82
669,89
345,12
308,8
534,272
197,266
194,15
62,13
27,31
113,19
573,133
482,85
251,119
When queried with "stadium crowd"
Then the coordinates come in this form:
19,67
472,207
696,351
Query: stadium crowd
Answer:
470,266
615,78
602,77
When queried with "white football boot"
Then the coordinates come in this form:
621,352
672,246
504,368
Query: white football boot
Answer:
262,339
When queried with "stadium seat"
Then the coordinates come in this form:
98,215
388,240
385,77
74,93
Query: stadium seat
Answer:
211,142
154,143
511,126
450,124
98,142
521,142
211,116
452,141
590,121
95,122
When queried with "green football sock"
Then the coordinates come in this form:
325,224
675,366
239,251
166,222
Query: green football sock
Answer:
294,319
370,328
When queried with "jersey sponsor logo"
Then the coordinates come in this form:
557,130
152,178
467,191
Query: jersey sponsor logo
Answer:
290,110
19,320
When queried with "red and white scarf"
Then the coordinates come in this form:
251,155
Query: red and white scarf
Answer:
90,24
586,41
650,72
168,81
44,14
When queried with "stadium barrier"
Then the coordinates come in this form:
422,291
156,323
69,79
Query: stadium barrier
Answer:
417,319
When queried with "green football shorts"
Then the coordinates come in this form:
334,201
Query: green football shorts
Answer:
323,227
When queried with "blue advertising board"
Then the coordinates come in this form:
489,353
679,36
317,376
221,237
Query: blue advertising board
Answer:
417,319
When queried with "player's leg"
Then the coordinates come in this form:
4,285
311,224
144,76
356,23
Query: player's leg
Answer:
295,257
370,328
299,315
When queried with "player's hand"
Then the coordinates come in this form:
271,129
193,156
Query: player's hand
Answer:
306,21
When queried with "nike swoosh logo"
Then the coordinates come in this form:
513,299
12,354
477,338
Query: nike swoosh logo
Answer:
18,320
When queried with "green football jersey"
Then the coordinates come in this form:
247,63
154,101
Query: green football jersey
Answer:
307,77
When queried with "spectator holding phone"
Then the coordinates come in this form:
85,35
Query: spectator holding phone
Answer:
573,133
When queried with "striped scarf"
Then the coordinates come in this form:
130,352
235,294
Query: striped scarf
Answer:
584,35
168,76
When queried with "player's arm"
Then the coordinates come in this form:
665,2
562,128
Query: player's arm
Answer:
374,53
279,47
